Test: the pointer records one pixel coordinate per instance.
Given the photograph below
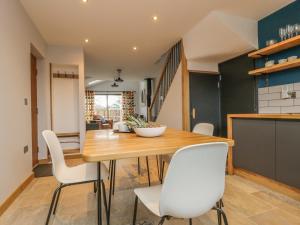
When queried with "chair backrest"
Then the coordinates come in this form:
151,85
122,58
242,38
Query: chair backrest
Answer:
195,180
204,128
58,161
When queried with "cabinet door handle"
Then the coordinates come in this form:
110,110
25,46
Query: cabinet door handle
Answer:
194,113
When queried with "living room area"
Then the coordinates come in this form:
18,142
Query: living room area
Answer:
109,102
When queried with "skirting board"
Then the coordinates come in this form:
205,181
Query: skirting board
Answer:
15,194
292,192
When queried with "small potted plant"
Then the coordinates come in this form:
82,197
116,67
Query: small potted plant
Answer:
143,128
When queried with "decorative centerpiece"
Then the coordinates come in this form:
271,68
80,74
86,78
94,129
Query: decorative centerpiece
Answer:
143,128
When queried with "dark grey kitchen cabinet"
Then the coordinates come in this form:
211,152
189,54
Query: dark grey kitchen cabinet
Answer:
288,152
254,146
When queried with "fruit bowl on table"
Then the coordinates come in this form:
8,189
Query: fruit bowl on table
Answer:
150,131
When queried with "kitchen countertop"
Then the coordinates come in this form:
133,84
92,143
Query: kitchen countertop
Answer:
265,116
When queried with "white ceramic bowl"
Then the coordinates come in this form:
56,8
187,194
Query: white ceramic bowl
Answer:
292,58
150,132
280,61
270,63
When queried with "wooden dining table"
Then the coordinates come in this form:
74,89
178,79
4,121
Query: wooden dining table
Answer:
106,145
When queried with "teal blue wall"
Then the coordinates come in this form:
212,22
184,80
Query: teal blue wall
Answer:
268,29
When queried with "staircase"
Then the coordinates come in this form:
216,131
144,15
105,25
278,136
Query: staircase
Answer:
173,60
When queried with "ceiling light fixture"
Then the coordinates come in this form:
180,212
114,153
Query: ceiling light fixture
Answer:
86,40
134,48
119,79
115,85
84,1
155,18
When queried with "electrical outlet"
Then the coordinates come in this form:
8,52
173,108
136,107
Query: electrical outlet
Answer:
293,94
25,149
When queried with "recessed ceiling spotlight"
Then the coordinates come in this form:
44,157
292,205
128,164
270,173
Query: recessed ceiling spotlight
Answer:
134,48
84,1
86,40
155,18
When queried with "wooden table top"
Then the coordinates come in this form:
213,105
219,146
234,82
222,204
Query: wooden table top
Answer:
101,145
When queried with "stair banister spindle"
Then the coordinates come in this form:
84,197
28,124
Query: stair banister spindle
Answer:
172,62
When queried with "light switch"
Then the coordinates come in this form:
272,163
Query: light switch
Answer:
25,101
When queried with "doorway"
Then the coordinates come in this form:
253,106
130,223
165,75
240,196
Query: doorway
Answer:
109,106
34,111
205,99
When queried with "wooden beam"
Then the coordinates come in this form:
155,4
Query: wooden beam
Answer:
65,135
65,75
185,92
15,194
230,169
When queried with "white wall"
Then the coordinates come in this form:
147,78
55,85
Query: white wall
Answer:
171,111
218,37
17,33
65,100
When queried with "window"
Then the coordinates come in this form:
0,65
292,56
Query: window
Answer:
109,106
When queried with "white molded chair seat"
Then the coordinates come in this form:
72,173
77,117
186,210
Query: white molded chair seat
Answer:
150,196
83,172
66,175
199,128
204,129
194,183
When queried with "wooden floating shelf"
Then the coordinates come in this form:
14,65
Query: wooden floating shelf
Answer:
275,68
280,46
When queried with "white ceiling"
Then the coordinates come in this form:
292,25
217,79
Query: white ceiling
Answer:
115,26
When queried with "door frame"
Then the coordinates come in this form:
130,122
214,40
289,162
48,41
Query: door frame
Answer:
34,110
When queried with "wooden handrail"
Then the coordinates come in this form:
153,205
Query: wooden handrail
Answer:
169,68
160,80
64,135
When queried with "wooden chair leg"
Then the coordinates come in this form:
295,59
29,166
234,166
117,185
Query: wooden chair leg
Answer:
114,176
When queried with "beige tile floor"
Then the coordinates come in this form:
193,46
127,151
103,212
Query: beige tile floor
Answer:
246,203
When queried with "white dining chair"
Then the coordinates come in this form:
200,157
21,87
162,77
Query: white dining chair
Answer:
204,129
67,176
199,128
194,182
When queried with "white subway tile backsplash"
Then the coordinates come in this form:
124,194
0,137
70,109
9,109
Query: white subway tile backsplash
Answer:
291,109
274,96
266,97
297,101
263,103
282,102
296,86
270,101
262,91
265,110
263,97
278,88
